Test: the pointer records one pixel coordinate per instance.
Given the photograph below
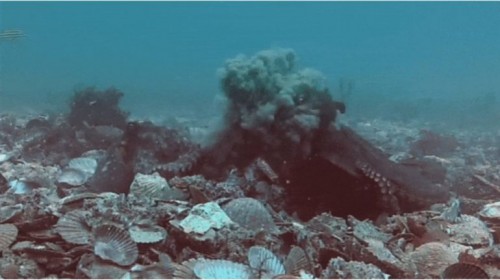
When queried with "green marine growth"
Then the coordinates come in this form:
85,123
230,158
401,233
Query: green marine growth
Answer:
273,106
91,107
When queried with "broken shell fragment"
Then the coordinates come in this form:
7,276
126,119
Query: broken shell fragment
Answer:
147,234
73,227
204,217
77,197
296,261
491,212
221,269
22,186
8,234
114,244
264,261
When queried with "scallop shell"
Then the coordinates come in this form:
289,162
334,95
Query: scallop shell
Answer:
264,261
78,171
152,187
147,234
464,271
93,268
73,227
148,186
250,214
114,244
470,231
8,234
183,271
296,261
10,211
221,269
432,258
87,165
163,269
72,177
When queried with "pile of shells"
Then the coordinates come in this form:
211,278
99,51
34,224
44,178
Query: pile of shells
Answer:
53,225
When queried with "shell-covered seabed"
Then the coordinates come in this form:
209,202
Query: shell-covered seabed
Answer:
287,187
55,221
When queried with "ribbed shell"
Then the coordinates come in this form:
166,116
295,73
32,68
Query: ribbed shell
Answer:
73,227
72,177
10,211
85,164
250,214
94,268
221,269
114,244
296,261
150,187
464,271
8,234
265,262
78,171
432,258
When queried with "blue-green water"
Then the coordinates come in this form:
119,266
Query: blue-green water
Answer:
404,59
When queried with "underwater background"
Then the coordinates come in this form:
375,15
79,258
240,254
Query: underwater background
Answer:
437,61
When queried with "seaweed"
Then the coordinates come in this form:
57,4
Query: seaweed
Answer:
92,107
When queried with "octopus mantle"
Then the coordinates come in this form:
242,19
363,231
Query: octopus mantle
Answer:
348,174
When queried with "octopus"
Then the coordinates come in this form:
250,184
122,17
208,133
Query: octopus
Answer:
348,175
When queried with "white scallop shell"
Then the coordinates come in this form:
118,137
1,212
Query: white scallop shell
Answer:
73,227
72,177
297,261
78,171
85,164
264,261
8,234
114,244
250,214
149,186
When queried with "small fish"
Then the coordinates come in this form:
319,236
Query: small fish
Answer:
464,271
12,34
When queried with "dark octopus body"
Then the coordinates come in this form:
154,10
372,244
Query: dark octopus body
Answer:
348,175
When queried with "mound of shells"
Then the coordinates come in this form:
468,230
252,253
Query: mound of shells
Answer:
52,225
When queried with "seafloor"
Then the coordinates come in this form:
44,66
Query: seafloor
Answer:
55,223
287,186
